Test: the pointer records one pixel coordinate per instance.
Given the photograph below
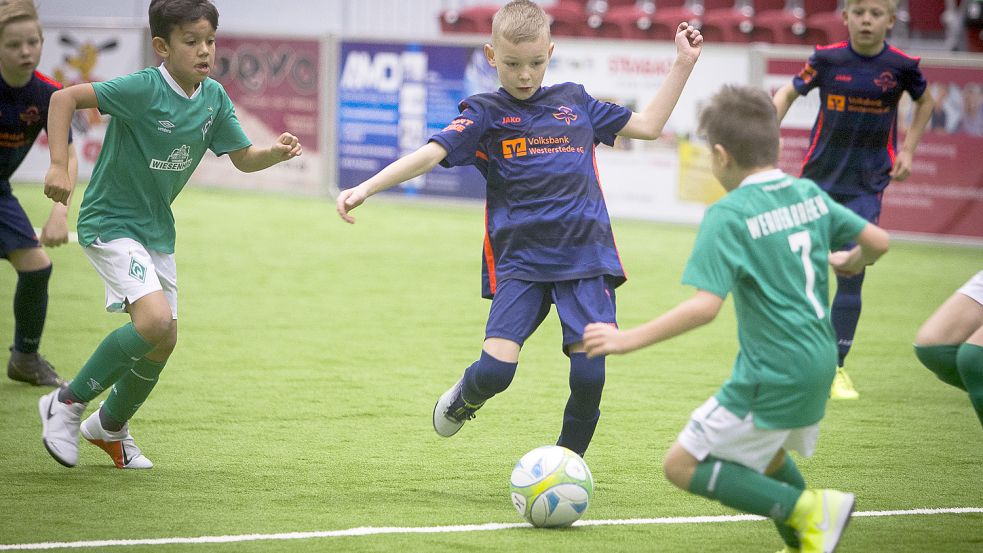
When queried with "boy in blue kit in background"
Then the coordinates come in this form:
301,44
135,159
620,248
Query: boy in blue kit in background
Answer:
24,96
164,118
767,241
548,237
853,152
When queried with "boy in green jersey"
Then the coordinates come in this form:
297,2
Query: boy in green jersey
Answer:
164,118
767,241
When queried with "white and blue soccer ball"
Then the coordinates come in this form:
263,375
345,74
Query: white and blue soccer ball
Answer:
551,487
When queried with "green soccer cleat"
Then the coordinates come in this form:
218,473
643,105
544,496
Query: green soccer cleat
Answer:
842,386
821,517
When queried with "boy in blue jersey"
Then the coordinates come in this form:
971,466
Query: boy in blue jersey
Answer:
548,238
853,152
768,242
164,118
24,96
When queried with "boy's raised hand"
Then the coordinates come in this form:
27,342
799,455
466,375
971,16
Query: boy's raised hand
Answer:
57,185
287,146
689,42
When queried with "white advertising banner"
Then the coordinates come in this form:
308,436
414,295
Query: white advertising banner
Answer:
73,55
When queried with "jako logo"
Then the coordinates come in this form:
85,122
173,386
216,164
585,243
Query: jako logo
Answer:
385,72
511,120
514,148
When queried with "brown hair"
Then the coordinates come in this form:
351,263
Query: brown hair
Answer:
520,21
743,120
12,11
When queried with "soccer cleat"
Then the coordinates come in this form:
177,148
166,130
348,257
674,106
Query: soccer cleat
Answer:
60,428
32,368
119,445
451,411
789,549
822,525
842,386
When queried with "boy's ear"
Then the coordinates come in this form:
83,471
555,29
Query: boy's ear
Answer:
490,54
722,156
160,47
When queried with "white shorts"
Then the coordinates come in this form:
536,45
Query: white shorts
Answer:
974,288
131,271
713,430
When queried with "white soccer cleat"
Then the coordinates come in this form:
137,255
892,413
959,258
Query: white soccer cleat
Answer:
119,445
451,411
60,428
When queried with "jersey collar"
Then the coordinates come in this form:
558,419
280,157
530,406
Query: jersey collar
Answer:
176,87
771,175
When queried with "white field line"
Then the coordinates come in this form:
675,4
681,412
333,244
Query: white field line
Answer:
73,238
373,531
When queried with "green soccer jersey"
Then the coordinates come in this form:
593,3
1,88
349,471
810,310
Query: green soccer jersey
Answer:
155,139
767,242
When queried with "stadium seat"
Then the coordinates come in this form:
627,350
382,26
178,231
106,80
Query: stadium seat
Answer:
787,25
732,23
827,27
651,20
473,20
569,18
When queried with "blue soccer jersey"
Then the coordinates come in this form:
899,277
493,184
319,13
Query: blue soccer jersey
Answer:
23,113
854,139
545,217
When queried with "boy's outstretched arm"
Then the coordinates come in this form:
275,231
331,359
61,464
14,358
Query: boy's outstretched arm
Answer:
251,158
604,338
783,100
59,182
403,169
648,124
872,243
923,113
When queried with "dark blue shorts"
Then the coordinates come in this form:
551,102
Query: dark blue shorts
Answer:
16,231
519,306
867,206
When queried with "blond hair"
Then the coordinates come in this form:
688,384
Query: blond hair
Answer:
17,10
520,21
892,5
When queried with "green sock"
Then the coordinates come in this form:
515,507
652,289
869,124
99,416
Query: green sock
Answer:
132,389
744,489
941,360
112,358
970,362
789,474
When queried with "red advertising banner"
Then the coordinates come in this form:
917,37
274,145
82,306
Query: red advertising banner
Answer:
943,196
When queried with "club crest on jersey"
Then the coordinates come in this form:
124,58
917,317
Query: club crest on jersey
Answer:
179,160
31,115
565,114
886,81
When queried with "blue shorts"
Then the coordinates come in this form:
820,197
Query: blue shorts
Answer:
519,306
16,231
867,206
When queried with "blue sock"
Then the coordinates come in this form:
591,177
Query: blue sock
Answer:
30,309
582,410
486,377
845,313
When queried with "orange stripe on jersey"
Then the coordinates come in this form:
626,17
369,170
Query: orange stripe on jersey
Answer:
481,155
489,255
815,140
47,79
597,175
890,146
832,46
900,52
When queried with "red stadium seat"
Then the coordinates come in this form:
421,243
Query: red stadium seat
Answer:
828,27
568,18
655,20
473,20
788,25
733,23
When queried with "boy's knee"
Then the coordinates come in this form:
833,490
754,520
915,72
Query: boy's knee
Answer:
156,328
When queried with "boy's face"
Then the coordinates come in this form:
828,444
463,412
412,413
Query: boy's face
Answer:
521,67
20,51
188,53
868,22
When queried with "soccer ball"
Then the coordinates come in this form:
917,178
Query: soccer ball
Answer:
551,487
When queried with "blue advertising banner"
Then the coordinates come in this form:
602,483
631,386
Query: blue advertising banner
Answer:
393,97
